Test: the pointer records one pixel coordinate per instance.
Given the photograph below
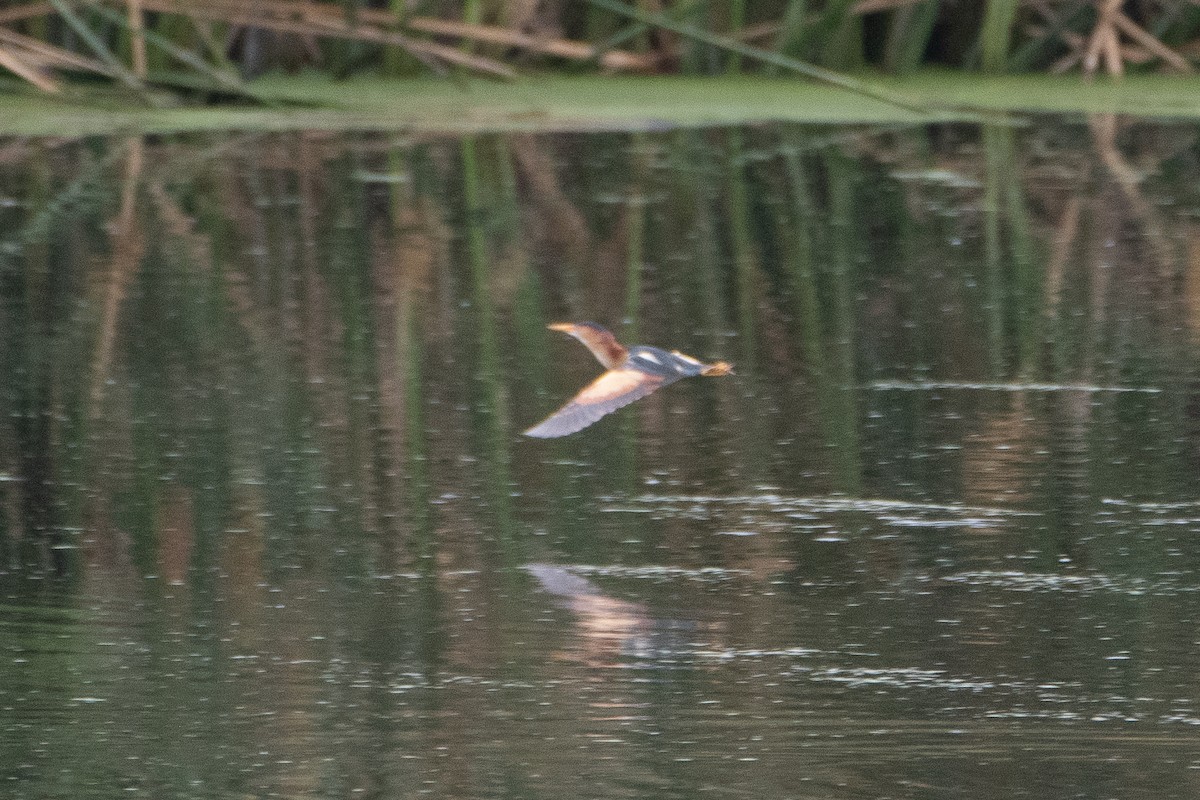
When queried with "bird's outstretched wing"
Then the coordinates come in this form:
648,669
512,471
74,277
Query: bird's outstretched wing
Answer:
612,390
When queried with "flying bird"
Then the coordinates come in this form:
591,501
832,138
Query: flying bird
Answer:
632,374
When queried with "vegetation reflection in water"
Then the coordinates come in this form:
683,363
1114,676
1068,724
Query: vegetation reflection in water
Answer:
268,524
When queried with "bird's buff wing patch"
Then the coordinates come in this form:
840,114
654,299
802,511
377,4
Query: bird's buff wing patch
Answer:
612,390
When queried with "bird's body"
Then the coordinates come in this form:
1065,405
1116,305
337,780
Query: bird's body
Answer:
632,374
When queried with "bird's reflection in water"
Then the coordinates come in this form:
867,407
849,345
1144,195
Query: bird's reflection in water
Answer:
613,632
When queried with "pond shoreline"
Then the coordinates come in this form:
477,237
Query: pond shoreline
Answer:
599,103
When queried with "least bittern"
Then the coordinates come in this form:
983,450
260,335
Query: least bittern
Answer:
633,373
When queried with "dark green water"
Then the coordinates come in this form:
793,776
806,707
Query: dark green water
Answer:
268,527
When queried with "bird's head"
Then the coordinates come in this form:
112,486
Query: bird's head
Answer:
579,329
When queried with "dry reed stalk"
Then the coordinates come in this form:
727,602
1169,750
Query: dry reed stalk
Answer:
311,310
14,152
129,245
322,25
558,219
239,287
1147,40
49,55
20,66
1112,50
765,30
180,226
417,249
367,19
1191,282
767,57
1060,249
490,34
98,46
25,12
1105,41
1081,47
564,48
760,30
1053,24
137,32
1099,44
1104,138
873,6
1130,54
287,10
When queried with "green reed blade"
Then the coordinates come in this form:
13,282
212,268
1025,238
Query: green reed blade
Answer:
472,14
222,79
745,259
398,62
1028,277
996,33
800,246
693,56
493,405
737,21
97,46
626,34
994,258
823,36
682,10
793,29
1041,47
635,249
845,48
842,174
799,265
207,33
1174,13
909,34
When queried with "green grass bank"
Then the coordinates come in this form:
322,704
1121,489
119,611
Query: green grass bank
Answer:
588,103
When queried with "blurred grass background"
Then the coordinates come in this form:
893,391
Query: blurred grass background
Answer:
209,49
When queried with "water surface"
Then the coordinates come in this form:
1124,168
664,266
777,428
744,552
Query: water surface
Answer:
268,526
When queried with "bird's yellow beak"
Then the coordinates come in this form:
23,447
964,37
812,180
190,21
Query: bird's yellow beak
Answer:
565,327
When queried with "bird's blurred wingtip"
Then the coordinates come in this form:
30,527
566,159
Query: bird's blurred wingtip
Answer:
543,431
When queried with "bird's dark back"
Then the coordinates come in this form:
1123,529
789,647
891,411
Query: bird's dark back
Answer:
669,366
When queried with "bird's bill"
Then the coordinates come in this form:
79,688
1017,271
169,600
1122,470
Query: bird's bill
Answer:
718,369
565,327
